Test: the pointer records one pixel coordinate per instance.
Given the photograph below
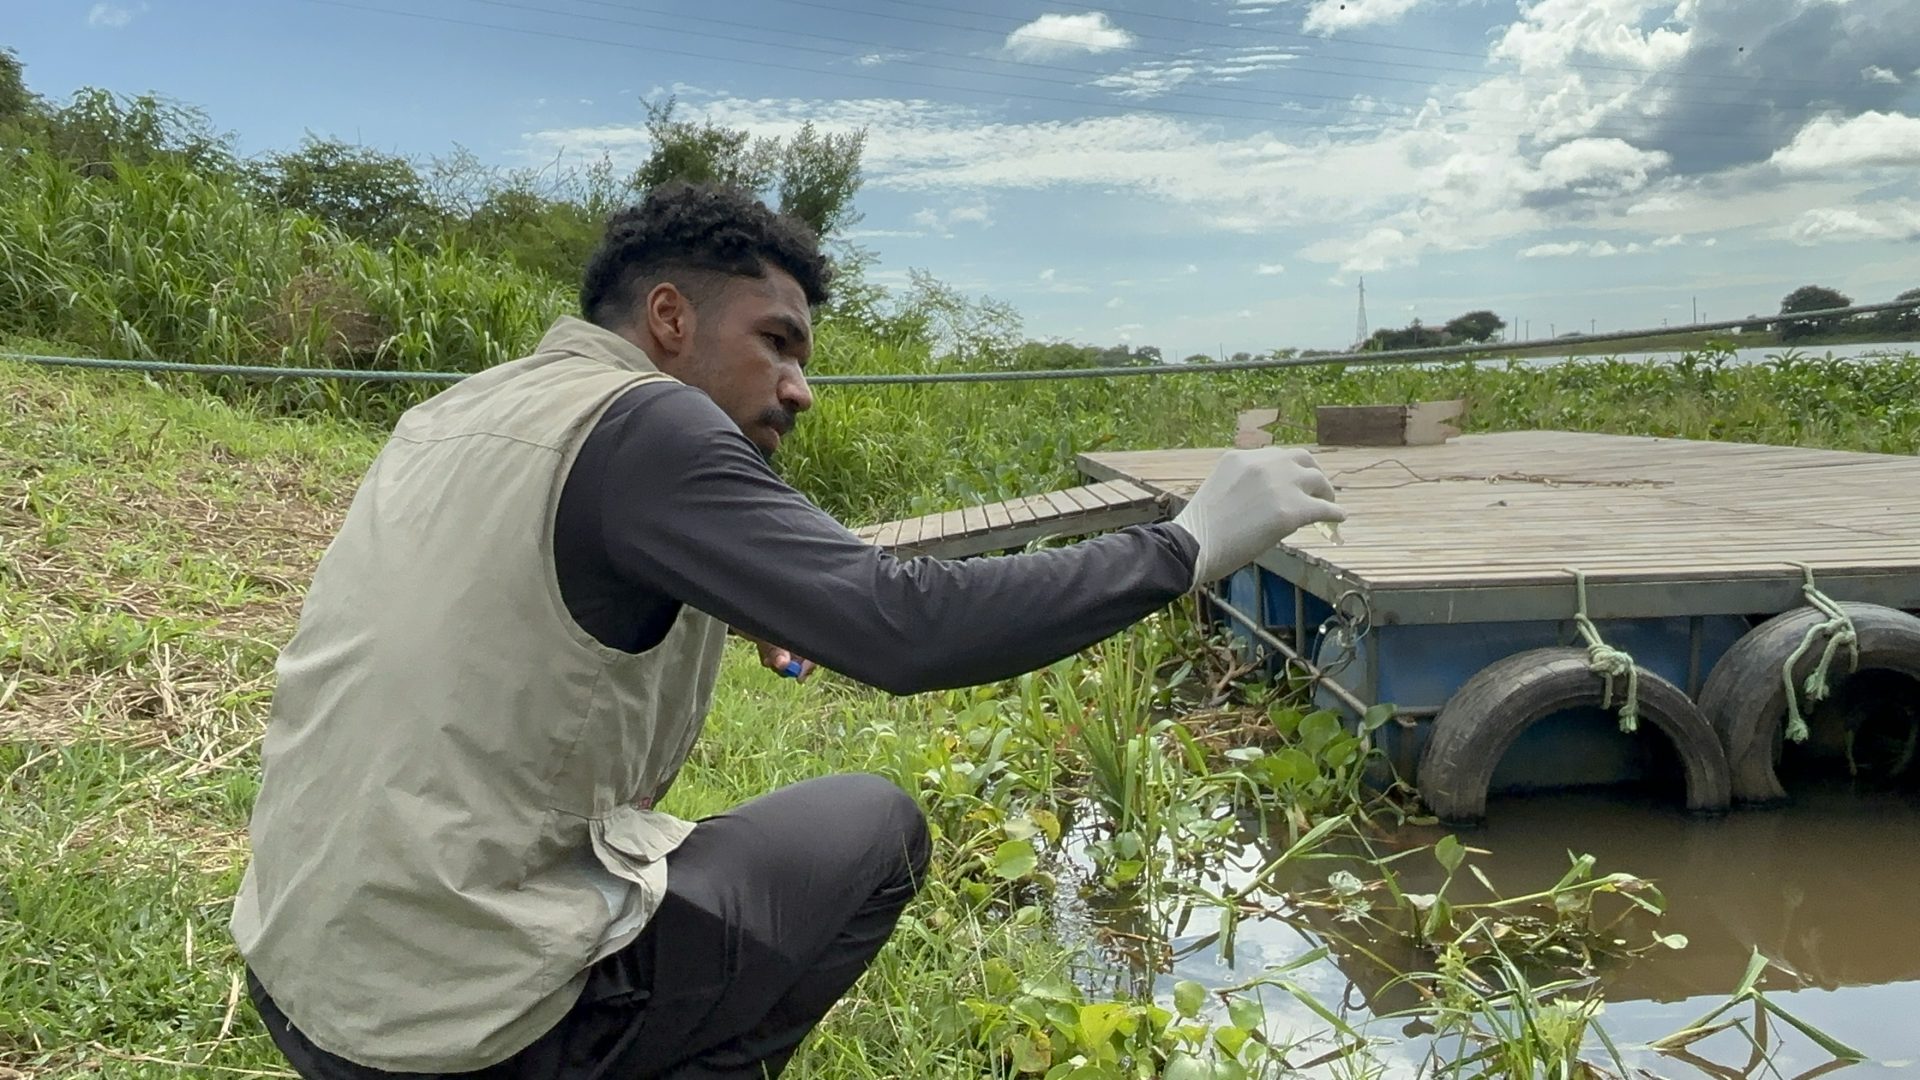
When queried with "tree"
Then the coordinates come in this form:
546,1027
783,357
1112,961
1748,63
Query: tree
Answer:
96,126
361,191
811,176
702,153
1905,321
17,103
1811,298
818,177
1476,326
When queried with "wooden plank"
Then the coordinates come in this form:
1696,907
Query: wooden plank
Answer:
1080,524
998,516
973,520
1063,504
1084,498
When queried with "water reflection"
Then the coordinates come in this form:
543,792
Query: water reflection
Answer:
1826,888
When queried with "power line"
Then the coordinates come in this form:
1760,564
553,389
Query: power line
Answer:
1158,54
1285,95
1311,39
771,64
1470,353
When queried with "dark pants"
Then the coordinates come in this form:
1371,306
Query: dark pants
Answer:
772,911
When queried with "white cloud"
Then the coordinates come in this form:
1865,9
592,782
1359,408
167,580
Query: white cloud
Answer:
1598,249
1191,268
1868,140
943,221
1158,77
1327,16
1551,32
1053,35
1148,80
1047,274
1880,75
1676,240
1593,165
1115,303
104,16
1836,224
1268,269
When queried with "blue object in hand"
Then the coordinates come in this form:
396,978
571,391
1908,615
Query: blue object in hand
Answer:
791,671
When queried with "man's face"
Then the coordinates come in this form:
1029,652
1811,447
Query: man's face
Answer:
749,352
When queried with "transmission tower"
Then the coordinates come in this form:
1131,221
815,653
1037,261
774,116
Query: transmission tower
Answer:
1360,334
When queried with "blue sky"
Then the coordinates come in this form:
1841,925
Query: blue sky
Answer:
1201,176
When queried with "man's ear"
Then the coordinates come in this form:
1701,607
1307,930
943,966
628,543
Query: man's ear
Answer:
670,318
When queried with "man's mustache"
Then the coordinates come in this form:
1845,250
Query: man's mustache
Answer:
780,420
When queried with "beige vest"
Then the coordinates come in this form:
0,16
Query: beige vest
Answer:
455,812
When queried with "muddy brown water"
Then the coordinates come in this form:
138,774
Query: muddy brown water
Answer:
1828,888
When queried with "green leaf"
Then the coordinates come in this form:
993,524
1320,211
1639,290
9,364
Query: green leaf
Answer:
1049,824
1021,828
1184,1066
1129,845
1672,941
1248,1013
1289,766
1285,719
1377,717
1189,997
1031,1054
1231,1039
1001,979
1343,749
1827,1042
1098,1023
1014,859
1450,852
1317,729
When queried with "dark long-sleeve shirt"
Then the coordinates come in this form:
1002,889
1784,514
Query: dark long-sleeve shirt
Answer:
669,504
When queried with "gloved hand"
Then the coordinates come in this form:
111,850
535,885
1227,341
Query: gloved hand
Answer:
1251,501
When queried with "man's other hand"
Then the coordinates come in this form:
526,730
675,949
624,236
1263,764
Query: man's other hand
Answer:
778,660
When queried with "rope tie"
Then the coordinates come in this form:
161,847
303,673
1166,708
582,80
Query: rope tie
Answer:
1608,662
1839,630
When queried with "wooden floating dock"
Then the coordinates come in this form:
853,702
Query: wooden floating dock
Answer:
1453,598
1101,506
1484,528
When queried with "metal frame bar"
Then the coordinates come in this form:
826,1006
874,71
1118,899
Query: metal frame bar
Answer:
1641,598
1267,638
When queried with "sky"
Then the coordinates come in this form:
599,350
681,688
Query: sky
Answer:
1204,176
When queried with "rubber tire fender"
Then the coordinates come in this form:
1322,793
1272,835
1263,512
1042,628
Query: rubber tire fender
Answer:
1482,720
1745,698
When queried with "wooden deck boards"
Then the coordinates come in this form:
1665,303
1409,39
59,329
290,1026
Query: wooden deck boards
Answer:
1522,508
1004,526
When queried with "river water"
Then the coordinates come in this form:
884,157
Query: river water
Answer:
1827,888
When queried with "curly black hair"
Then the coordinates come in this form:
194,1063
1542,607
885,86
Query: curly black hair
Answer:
695,235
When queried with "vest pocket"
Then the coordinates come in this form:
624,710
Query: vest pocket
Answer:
628,840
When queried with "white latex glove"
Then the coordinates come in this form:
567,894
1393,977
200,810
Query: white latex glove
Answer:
1251,501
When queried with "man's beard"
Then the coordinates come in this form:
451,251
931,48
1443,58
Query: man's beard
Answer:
780,420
